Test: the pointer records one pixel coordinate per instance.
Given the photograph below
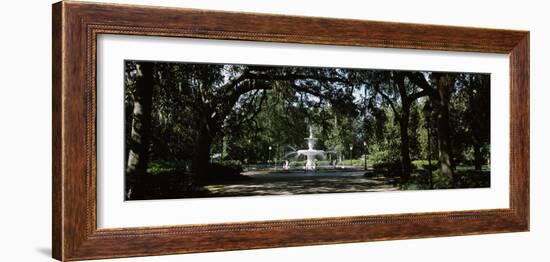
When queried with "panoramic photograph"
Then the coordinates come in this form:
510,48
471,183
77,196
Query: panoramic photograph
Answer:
199,130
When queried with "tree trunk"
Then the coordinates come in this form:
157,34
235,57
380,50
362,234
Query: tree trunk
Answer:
405,154
201,153
444,84
406,101
478,156
138,155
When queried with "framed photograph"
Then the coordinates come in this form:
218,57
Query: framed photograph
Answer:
182,130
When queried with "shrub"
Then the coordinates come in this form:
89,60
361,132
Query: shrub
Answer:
384,156
217,169
388,168
423,164
440,181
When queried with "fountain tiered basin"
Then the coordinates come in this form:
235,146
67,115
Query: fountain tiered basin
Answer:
311,152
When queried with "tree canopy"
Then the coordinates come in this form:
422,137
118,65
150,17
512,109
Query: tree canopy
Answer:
187,114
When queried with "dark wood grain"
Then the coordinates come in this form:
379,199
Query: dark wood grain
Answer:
76,26
57,195
519,130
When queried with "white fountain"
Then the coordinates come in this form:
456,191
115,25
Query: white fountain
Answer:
310,152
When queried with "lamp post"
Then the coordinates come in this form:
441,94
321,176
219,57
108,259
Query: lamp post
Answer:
269,158
365,142
428,113
350,155
247,162
365,154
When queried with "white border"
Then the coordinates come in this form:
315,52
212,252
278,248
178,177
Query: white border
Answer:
113,212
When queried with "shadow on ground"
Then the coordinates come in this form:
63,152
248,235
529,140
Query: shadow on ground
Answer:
46,251
290,183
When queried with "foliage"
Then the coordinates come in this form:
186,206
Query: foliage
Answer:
230,116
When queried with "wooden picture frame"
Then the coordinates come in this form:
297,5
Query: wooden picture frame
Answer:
76,26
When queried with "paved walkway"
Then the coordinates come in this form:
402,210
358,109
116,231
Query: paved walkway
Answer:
300,182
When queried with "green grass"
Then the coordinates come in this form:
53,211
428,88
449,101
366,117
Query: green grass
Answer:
465,177
355,162
156,169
